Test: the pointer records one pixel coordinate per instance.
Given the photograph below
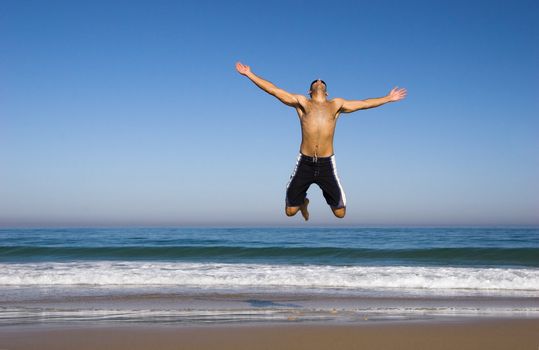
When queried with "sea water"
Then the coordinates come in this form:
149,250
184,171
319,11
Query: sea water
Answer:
44,264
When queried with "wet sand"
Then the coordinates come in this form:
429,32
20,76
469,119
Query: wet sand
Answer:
455,334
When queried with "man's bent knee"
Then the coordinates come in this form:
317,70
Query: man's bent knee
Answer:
291,211
340,212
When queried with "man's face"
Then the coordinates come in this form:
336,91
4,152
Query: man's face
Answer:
316,85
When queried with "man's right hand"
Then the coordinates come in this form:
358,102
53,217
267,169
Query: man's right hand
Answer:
242,69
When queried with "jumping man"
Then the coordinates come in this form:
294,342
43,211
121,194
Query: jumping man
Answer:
316,161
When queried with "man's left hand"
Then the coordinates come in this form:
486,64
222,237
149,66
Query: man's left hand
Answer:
397,94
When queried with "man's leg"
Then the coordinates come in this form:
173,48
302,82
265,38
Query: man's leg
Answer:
296,190
331,188
291,211
339,212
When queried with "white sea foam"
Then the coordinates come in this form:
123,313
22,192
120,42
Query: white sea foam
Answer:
240,276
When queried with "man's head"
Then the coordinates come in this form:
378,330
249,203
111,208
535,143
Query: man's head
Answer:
318,85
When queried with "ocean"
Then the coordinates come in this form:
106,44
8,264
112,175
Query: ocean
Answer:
43,268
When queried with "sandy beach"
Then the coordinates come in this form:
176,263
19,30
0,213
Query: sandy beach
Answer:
456,334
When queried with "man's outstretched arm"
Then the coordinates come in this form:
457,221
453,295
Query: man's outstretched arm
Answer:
283,96
349,106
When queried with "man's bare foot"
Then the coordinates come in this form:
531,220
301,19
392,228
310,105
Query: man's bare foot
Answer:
303,209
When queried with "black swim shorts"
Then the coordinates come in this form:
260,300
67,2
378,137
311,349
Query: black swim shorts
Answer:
321,171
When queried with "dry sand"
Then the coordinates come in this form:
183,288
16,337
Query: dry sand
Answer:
464,334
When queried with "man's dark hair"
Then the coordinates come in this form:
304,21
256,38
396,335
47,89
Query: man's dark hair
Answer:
314,81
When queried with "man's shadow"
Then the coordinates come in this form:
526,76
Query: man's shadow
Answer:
269,303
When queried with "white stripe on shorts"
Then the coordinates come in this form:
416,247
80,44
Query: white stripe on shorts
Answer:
294,172
338,181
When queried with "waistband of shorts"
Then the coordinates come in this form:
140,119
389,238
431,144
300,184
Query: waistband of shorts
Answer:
316,159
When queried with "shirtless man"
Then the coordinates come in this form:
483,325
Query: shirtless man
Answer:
316,161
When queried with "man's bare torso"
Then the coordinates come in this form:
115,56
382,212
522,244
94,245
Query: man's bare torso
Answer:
318,120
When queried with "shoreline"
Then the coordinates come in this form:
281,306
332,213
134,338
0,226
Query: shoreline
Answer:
233,308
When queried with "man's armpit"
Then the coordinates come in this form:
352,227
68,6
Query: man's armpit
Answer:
339,103
302,100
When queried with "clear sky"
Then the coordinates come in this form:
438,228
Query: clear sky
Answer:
131,112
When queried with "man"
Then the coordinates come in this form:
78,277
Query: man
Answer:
316,161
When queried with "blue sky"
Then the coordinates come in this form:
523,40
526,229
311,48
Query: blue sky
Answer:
131,113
